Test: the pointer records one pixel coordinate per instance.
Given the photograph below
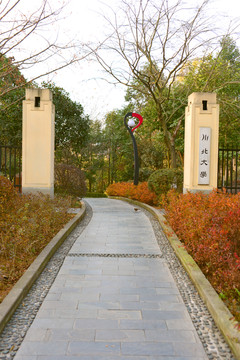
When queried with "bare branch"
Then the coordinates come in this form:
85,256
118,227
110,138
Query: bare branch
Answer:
150,42
19,29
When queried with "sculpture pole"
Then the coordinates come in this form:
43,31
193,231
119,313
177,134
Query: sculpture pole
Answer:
131,128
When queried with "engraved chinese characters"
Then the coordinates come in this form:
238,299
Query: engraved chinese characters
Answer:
204,155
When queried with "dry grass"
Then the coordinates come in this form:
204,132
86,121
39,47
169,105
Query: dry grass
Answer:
27,224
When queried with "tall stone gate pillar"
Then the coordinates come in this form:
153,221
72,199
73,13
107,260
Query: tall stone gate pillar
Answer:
201,143
38,142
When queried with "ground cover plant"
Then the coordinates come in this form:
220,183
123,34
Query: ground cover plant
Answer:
208,226
138,192
27,224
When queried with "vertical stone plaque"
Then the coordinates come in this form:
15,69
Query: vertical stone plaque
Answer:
204,155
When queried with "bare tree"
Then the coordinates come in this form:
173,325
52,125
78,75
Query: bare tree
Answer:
149,43
25,43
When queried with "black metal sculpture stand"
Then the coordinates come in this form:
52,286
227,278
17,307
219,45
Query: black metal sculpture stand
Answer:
136,162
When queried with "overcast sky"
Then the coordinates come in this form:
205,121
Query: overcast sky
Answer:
83,22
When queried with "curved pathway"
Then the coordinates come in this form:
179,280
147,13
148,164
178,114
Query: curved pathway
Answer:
114,297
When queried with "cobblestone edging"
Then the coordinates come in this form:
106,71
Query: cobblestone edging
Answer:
15,330
213,341
136,256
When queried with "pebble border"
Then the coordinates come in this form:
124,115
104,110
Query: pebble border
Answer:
212,338
213,341
149,256
15,330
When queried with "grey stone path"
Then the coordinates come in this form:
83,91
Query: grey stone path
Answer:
114,297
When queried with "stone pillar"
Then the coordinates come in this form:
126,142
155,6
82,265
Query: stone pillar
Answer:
201,143
38,142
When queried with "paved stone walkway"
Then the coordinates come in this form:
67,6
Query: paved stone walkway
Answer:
118,307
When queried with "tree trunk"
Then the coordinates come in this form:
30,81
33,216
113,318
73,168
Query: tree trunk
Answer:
173,156
170,144
109,168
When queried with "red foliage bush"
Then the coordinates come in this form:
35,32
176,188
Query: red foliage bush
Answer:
208,225
27,224
138,192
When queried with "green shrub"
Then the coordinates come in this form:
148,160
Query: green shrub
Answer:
95,195
70,180
163,180
144,174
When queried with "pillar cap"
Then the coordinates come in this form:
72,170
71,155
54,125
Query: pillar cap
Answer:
198,97
44,94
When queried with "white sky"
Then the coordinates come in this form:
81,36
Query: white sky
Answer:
84,23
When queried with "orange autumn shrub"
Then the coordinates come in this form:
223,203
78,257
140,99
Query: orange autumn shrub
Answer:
119,189
208,225
8,194
138,192
27,224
